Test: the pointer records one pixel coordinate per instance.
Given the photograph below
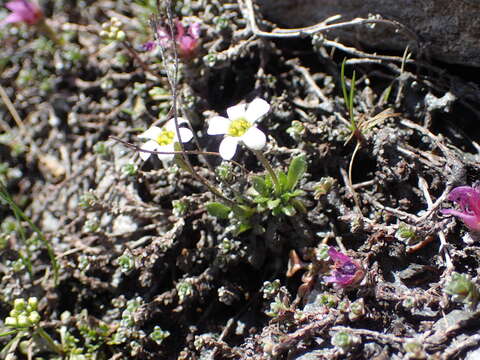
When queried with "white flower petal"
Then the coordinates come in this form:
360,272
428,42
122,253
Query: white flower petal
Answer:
170,124
236,111
256,109
228,147
218,125
152,133
166,148
254,139
150,145
185,134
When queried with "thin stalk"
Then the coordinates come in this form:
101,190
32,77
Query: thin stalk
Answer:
268,167
50,342
8,333
173,79
350,105
187,167
8,103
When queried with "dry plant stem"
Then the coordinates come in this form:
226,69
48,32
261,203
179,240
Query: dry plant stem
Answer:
138,149
320,27
383,338
350,166
401,214
308,78
363,184
352,191
361,54
11,108
267,167
458,346
422,184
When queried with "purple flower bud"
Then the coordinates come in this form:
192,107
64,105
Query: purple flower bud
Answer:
344,271
22,11
468,200
186,38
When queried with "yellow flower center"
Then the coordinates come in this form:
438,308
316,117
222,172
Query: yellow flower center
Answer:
238,127
165,137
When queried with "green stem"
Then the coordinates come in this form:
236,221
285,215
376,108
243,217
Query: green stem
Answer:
268,167
7,333
51,343
187,167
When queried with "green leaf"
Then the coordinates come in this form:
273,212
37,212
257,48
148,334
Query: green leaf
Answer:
260,199
344,83
272,204
242,228
283,181
260,186
296,170
350,105
243,212
289,210
277,211
299,205
218,210
268,182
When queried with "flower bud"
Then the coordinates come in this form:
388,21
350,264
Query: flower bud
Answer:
33,303
120,35
22,321
11,321
34,317
19,304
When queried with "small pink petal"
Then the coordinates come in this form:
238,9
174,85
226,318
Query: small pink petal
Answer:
24,11
337,256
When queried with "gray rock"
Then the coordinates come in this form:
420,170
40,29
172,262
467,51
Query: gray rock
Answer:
447,30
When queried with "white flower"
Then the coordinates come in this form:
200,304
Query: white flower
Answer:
164,139
240,127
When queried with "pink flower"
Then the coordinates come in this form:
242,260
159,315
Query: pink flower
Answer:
468,200
345,271
22,11
186,37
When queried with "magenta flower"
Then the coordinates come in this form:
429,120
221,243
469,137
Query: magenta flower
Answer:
185,36
344,271
468,200
22,11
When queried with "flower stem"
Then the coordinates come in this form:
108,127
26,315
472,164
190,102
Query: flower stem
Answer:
268,167
214,190
50,342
